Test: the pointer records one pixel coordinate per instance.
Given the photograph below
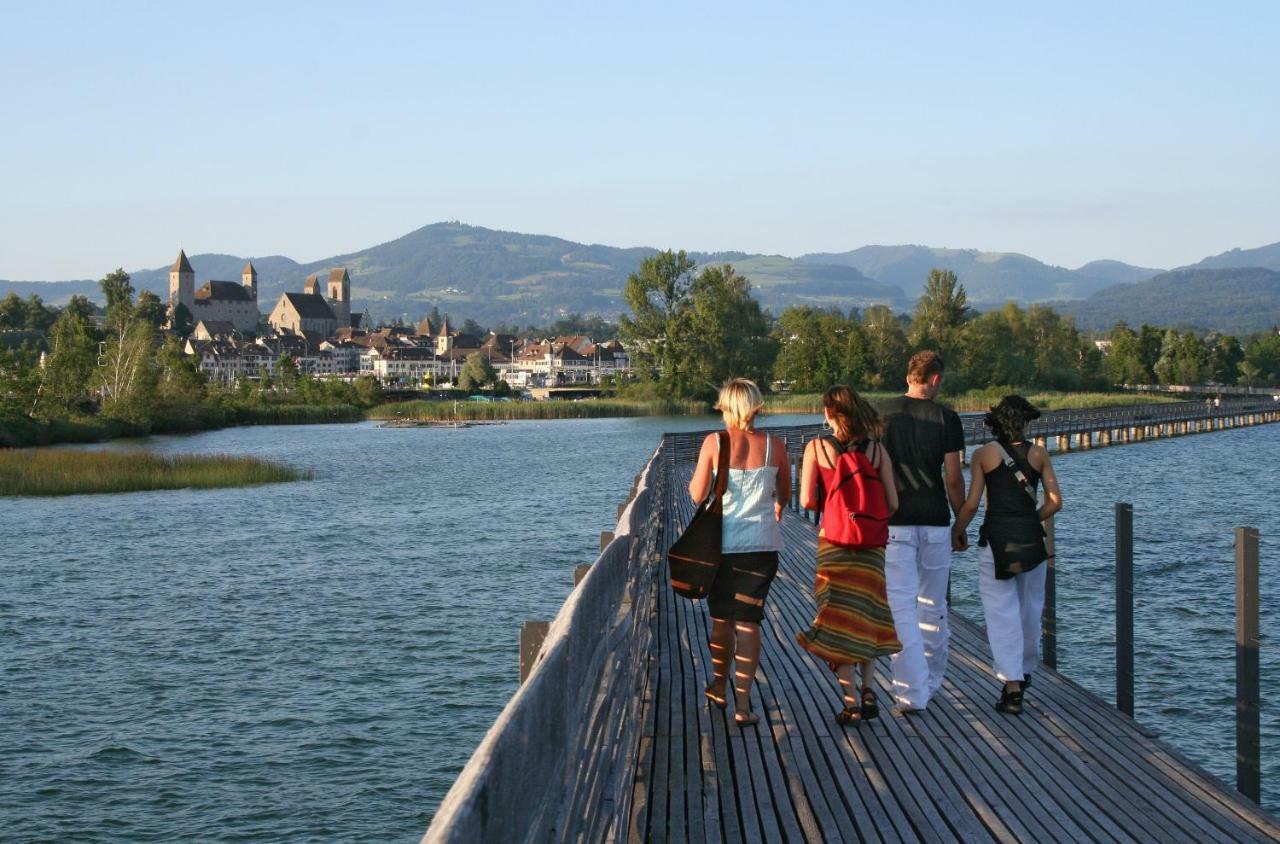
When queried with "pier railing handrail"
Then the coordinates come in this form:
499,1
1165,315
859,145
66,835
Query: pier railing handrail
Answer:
527,779
684,445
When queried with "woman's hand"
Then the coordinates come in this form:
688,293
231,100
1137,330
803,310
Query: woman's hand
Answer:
777,510
959,538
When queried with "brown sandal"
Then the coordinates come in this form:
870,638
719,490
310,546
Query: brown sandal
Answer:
720,700
849,715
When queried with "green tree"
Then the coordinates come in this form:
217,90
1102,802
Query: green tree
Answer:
886,348
818,348
368,391
1225,359
39,318
1150,348
940,312
720,333
183,321
476,372
127,378
70,363
989,352
118,291
287,372
1262,353
150,308
13,313
19,380
656,295
80,306
1123,364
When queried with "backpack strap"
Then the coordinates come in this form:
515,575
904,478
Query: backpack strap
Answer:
722,465
1027,487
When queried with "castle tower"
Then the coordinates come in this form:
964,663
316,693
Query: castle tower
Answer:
182,284
249,278
444,340
340,296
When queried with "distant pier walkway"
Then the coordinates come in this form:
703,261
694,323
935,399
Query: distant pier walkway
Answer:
611,739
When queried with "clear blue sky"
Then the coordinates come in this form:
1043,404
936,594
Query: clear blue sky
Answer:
1146,132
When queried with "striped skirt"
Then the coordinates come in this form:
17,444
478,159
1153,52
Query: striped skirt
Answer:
854,622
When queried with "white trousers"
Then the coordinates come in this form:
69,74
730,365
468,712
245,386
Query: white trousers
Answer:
1013,609
917,566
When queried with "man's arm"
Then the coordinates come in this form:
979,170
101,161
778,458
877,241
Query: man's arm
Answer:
954,480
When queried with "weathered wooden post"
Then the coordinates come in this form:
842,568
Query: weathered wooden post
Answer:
532,634
1248,697
1049,618
795,486
1124,608
580,572
606,536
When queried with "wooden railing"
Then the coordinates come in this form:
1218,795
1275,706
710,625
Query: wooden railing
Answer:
565,745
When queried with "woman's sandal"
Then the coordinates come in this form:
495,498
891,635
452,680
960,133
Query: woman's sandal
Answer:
746,719
721,700
870,709
1010,703
849,715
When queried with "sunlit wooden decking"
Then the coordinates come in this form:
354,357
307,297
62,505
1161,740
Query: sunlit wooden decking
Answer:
1071,768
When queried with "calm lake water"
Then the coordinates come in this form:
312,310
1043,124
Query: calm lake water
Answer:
316,661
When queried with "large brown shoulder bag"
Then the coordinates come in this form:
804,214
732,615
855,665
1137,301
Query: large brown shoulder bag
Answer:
694,558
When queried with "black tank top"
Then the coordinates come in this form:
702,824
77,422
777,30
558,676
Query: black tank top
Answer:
1010,511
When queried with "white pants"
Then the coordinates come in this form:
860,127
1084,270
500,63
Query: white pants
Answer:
1013,609
917,566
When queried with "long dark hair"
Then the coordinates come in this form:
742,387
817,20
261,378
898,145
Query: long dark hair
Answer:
851,415
1008,420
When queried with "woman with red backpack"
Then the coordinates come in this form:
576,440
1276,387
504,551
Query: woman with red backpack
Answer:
848,476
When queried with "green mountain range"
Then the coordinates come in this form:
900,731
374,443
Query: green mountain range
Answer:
1234,301
491,276
988,277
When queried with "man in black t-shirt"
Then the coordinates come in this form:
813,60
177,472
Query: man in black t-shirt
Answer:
926,442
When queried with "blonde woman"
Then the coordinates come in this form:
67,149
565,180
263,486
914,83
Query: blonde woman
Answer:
759,484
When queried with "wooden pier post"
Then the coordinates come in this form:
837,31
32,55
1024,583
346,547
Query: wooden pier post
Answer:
606,536
1248,696
1124,608
580,572
532,633
1049,618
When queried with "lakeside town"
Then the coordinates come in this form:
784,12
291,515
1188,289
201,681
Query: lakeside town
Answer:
316,328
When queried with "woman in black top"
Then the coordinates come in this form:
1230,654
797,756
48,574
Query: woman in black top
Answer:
1011,542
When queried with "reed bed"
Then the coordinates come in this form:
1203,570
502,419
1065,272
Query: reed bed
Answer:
295,414
550,409
44,471
976,400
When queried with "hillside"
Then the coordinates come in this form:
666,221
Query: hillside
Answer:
1236,301
988,277
492,275
1267,257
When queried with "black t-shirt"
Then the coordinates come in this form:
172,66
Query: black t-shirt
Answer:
919,434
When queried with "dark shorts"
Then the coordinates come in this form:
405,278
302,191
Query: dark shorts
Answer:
741,584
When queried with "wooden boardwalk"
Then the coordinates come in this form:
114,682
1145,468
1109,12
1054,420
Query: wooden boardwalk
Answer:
1071,768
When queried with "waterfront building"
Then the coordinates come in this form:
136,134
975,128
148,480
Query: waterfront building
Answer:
216,301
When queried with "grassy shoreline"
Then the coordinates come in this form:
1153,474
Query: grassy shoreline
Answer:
551,409
55,472
23,432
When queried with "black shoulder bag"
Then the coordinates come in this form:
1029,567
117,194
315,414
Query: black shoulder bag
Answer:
694,558
1014,556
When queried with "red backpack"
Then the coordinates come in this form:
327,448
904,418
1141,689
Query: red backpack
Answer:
854,511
